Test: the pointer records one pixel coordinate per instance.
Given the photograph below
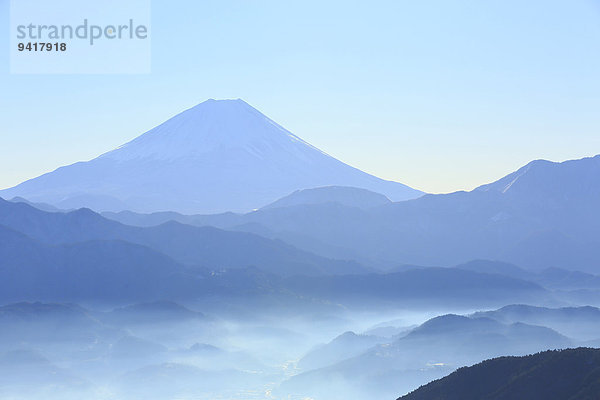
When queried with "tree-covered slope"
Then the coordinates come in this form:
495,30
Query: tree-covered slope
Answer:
572,374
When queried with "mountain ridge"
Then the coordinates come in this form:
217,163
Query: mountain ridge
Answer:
207,246
551,375
552,220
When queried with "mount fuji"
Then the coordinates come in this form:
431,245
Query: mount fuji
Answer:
221,155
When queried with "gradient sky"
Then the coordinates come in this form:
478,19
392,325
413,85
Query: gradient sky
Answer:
440,95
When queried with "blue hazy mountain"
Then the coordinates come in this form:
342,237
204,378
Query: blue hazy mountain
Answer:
581,323
156,312
80,254
497,267
221,155
568,280
551,375
420,286
429,351
40,206
115,271
108,270
572,284
34,323
346,345
347,196
543,181
543,215
200,246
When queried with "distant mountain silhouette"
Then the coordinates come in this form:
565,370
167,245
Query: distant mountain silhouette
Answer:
109,270
31,323
347,196
418,287
346,345
567,282
496,267
199,246
40,206
81,255
543,215
157,312
564,279
572,374
429,351
221,155
551,182
582,323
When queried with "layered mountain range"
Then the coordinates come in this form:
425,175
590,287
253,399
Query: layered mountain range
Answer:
543,215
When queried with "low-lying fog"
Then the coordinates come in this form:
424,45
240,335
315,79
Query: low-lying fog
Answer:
165,350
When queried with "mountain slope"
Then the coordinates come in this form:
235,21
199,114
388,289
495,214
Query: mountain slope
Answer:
428,352
553,181
581,323
75,253
100,270
346,345
572,374
204,246
217,156
418,287
548,217
348,196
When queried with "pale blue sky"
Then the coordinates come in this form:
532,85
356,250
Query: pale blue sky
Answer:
440,95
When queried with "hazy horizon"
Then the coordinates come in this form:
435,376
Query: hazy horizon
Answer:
473,186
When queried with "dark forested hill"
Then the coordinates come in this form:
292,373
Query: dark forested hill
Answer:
572,374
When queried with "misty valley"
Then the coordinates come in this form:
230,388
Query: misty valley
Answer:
163,350
253,337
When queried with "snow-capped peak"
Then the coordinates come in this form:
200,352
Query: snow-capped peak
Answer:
212,125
